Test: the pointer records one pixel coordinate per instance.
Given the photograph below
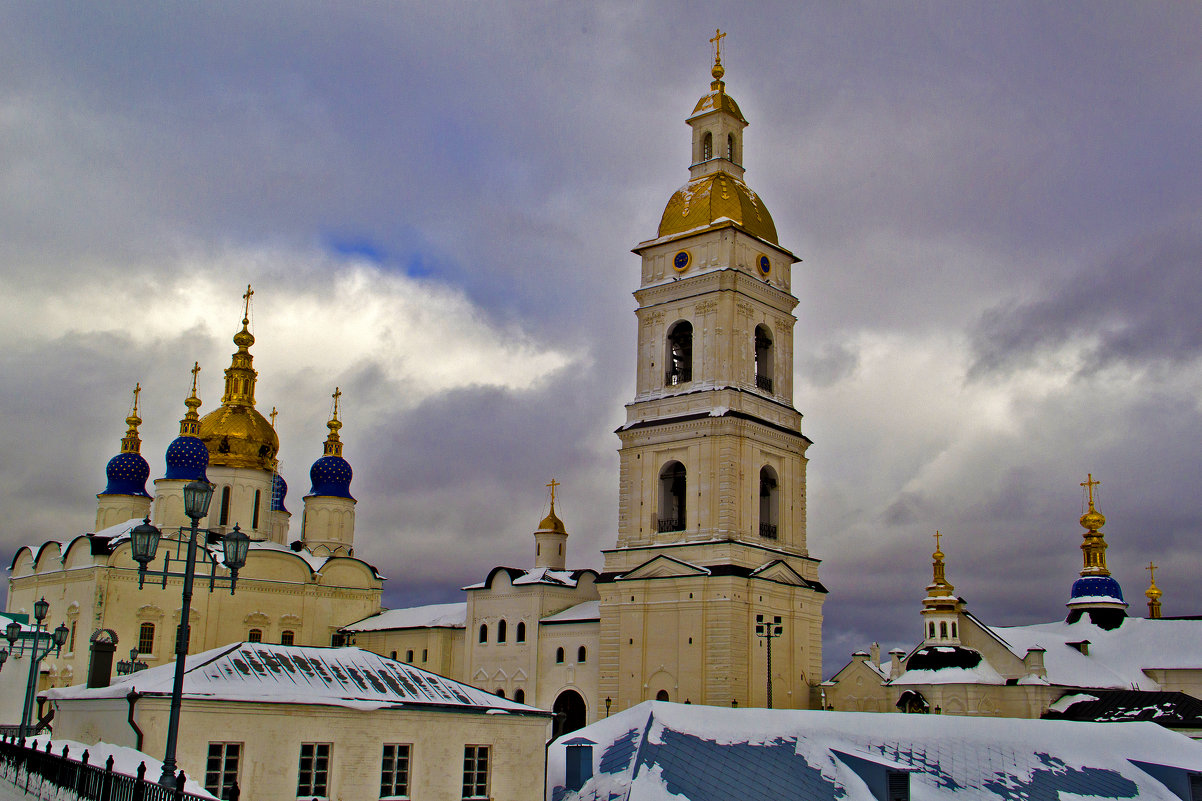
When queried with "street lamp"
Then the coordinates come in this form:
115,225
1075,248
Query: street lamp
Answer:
39,643
144,542
769,632
125,668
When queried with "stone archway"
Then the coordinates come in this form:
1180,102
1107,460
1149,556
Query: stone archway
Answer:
569,713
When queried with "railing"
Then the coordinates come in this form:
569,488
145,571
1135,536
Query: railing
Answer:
763,382
768,530
678,376
24,766
669,524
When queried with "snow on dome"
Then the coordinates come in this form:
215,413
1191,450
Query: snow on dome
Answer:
1096,589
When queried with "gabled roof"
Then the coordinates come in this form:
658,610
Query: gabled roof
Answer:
266,673
659,750
434,616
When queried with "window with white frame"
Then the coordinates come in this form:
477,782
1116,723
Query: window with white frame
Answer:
394,771
221,768
475,772
313,775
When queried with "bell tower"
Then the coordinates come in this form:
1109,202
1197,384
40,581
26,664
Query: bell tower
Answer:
712,499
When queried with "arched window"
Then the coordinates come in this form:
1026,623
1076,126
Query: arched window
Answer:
225,507
662,695
707,147
287,637
501,631
500,693
559,656
763,358
521,632
255,517
581,653
943,629
671,497
254,635
931,631
954,634
769,502
680,354
730,147
146,638
409,657
483,632
519,695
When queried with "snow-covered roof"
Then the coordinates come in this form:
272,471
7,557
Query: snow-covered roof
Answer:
125,760
589,610
657,751
287,674
539,575
434,616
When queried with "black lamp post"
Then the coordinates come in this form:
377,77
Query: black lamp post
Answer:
769,631
39,643
144,542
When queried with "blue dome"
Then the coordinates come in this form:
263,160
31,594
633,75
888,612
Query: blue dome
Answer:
279,488
187,458
331,476
127,474
1100,587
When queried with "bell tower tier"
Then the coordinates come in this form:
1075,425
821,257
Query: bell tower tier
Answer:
712,486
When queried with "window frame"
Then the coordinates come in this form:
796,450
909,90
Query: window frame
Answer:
143,639
313,787
218,782
476,772
389,770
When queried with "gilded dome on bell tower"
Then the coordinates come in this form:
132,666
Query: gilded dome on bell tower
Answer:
235,433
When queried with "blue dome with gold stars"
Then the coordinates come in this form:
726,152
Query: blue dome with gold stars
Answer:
187,458
331,476
279,489
127,474
1102,589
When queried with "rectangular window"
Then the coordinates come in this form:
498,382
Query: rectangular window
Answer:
146,638
313,777
394,771
221,769
475,772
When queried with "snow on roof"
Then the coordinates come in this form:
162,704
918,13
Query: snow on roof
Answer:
657,751
981,674
1116,658
589,610
445,616
539,575
287,674
125,760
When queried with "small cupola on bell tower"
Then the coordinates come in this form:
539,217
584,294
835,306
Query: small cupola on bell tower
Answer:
1153,593
717,125
940,607
328,527
1096,594
551,539
125,496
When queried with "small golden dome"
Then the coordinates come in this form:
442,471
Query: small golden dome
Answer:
238,436
1093,519
718,100
703,201
552,523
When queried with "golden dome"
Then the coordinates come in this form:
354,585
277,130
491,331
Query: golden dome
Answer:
552,523
1093,519
718,100
238,436
705,200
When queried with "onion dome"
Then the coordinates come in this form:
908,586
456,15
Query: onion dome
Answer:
1099,589
236,434
279,489
128,471
331,474
1096,594
552,523
718,196
1153,593
187,456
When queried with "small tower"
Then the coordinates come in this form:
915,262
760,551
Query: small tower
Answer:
551,539
941,608
187,460
1095,595
329,523
1153,592
125,497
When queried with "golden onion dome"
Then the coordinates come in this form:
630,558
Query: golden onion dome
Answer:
705,200
238,436
1093,519
552,523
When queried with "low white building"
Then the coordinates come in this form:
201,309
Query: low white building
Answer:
290,722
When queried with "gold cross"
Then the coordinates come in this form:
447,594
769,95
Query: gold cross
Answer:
1152,570
195,370
1090,483
553,485
246,297
937,535
273,414
717,43
337,394
137,392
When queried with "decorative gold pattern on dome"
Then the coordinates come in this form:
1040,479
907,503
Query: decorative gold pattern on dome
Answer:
235,433
333,446
131,443
704,201
551,522
1153,592
1093,548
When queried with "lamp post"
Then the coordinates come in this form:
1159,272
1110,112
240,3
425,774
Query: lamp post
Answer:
144,543
769,631
125,668
39,643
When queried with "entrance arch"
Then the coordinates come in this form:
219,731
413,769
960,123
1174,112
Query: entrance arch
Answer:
568,713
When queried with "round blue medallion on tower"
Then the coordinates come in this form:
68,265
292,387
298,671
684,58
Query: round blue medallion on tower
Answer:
331,474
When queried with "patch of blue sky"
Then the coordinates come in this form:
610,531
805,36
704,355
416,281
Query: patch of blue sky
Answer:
356,246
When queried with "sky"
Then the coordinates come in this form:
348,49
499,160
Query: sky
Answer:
998,207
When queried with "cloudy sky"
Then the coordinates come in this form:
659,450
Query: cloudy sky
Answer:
999,208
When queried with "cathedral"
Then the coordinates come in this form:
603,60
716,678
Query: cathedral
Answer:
709,595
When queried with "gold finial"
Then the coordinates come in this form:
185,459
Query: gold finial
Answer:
273,416
195,372
1093,549
1153,592
333,445
937,551
246,304
130,443
718,71
553,484
1089,483
189,426
939,586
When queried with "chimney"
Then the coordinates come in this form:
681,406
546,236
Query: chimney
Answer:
895,662
1033,662
875,654
100,662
